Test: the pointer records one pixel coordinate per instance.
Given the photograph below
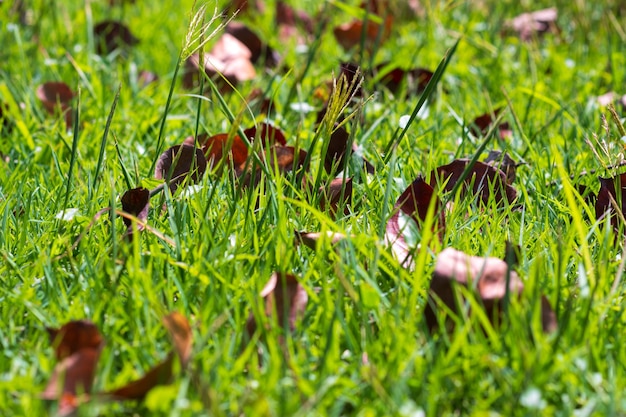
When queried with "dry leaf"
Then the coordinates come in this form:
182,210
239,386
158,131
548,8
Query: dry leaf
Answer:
481,125
218,151
268,134
527,25
289,21
331,198
336,151
310,239
349,34
254,44
136,202
180,331
504,163
416,79
189,162
110,35
607,199
138,389
56,97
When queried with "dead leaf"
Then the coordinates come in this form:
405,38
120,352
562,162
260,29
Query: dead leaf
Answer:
218,151
284,302
349,34
481,175
310,239
331,196
190,162
57,97
481,125
159,375
336,151
290,21
255,45
242,6
414,202
528,25
110,35
268,134
416,79
607,198
136,202
180,331
487,277
284,158
74,336
504,163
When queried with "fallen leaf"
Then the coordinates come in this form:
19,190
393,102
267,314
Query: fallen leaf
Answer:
607,198
242,6
349,34
255,45
219,150
136,390
74,336
268,134
504,163
284,302
336,151
289,21
480,126
414,202
331,196
136,202
56,97
487,277
310,239
284,158
481,175
416,79
527,25
189,162
180,331
110,35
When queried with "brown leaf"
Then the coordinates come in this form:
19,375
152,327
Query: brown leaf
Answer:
310,238
284,158
504,163
136,202
267,133
349,34
136,390
254,44
218,151
353,77
284,301
289,21
331,198
607,198
55,96
180,331
414,202
486,276
480,174
336,151
527,25
189,162
480,126
242,6
110,35
416,79
73,337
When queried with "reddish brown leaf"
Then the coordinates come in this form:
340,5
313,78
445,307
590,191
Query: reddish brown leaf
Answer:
488,276
267,133
218,151
353,77
414,202
189,162
527,25
55,96
284,158
242,6
480,175
608,198
110,35
257,101
416,79
336,151
136,390
284,301
310,238
289,21
254,44
482,124
331,199
349,34
74,336
180,331
136,202
504,163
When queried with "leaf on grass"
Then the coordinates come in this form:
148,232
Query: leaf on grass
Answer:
353,78
504,163
77,347
289,21
349,34
219,150
480,126
414,202
487,277
190,162
336,151
416,79
481,175
136,202
284,302
528,25
55,96
284,158
180,332
607,199
268,134
331,196
242,6
110,35
310,239
138,389
255,45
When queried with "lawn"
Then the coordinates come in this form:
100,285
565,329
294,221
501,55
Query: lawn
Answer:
356,324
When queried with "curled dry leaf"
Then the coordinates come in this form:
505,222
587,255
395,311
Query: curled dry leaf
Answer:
284,302
77,347
414,202
338,193
268,134
349,34
254,44
110,35
284,158
336,152
310,239
416,79
180,332
504,163
136,202
189,162
608,200
484,178
527,25
480,126
219,149
56,97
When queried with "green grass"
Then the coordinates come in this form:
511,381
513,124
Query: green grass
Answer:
226,244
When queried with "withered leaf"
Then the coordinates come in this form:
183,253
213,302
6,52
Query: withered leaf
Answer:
268,134
136,390
180,332
241,6
349,34
480,126
336,151
189,162
284,158
332,198
527,25
136,202
74,336
504,163
55,96
284,301
414,202
289,20
608,198
110,35
255,45
218,151
481,175
416,79
310,239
